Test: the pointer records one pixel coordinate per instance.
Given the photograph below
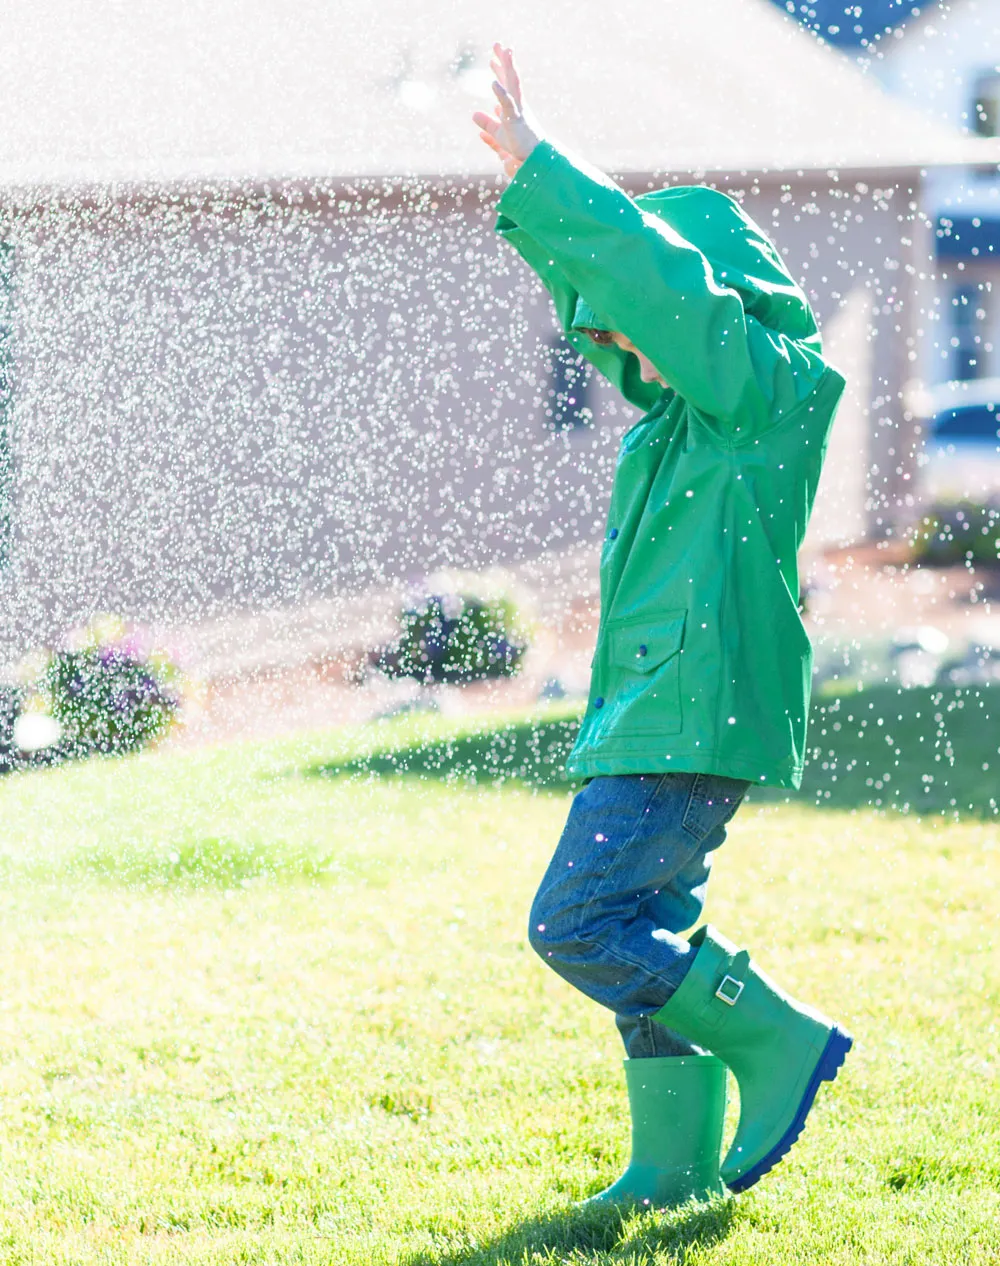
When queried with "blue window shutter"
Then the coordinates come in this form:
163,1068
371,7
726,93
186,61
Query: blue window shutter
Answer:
967,340
566,402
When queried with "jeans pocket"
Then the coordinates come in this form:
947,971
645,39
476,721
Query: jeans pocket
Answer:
711,804
615,856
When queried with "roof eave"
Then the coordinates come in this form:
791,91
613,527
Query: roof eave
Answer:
207,188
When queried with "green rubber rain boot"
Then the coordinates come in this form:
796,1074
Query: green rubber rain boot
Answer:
678,1104
778,1049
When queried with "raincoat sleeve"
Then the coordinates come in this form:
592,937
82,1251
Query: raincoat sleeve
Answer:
658,290
620,368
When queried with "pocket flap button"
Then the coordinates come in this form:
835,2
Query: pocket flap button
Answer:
661,634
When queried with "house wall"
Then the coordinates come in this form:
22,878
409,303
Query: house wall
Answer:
936,64
245,405
858,245
221,408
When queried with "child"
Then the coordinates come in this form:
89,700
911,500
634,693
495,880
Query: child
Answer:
701,675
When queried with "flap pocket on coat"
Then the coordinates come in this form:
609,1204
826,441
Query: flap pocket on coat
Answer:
643,643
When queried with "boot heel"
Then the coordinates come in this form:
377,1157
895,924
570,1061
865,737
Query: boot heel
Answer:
830,1063
833,1058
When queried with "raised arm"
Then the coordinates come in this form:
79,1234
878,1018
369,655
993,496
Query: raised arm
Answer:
659,291
642,278
621,369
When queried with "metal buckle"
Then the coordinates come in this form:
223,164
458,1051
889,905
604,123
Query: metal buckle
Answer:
736,988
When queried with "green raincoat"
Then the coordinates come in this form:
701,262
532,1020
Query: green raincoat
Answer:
702,663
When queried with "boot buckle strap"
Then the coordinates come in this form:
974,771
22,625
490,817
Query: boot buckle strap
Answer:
729,990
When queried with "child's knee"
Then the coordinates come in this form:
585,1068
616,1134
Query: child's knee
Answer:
537,927
551,931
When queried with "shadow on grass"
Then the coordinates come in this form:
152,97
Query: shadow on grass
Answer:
618,1238
922,750
528,752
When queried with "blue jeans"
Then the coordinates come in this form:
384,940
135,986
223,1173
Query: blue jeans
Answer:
629,874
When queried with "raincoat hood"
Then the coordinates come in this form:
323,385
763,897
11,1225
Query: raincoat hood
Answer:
739,255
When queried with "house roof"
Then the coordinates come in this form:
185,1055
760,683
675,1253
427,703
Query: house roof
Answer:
105,91
853,26
934,60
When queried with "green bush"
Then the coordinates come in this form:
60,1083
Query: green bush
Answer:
456,638
108,695
961,533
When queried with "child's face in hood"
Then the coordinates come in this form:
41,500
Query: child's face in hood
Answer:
647,370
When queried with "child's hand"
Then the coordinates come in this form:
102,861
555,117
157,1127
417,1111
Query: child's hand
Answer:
509,134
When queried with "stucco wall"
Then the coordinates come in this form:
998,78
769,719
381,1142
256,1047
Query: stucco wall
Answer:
221,406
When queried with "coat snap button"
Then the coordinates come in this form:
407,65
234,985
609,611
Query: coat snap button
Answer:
612,534
643,650
598,702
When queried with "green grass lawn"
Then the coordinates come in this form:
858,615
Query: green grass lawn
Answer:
274,1004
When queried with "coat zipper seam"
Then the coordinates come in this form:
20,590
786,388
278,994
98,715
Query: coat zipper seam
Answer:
731,562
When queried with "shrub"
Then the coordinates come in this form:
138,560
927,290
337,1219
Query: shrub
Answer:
11,701
956,534
455,638
108,692
107,700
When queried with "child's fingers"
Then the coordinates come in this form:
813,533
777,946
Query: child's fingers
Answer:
508,109
491,141
499,150
513,78
485,122
503,68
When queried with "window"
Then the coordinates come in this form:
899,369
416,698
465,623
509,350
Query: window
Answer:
979,422
567,400
986,105
968,313
6,407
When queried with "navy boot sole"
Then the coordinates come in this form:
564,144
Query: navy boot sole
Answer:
830,1063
